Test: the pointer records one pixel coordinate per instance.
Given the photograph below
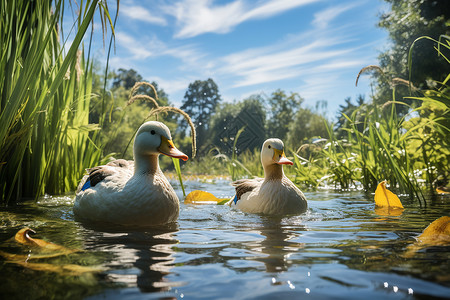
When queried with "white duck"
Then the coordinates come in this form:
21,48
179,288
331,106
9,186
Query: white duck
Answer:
275,194
127,193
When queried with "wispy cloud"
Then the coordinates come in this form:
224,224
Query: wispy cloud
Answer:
274,63
324,17
140,13
134,47
150,46
171,86
196,17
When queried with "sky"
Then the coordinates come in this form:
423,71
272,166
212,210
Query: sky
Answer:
311,47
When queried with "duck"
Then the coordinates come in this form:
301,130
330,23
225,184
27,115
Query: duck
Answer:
275,194
134,193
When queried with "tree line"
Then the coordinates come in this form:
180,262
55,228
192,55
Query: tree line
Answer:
217,122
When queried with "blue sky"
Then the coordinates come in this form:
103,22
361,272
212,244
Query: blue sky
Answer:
312,47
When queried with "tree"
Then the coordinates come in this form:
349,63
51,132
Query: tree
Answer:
126,78
307,124
348,109
282,111
405,22
200,101
231,117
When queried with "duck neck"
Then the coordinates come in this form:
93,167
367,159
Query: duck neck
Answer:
146,164
273,172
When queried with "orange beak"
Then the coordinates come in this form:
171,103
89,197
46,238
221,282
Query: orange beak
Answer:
168,148
280,158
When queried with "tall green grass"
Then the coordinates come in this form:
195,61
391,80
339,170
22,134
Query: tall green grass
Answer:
45,94
409,151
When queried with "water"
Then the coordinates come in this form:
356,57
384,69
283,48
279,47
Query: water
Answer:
339,249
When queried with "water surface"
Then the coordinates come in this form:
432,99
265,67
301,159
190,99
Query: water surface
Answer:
341,248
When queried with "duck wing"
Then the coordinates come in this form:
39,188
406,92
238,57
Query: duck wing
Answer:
99,173
243,186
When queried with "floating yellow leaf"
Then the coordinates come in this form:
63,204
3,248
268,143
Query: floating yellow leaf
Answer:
437,233
202,197
23,237
43,249
386,198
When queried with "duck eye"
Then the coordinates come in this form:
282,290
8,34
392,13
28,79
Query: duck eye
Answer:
152,132
269,147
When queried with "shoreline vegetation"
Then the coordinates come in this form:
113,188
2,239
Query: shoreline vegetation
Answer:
62,113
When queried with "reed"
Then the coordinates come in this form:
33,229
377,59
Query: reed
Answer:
410,151
45,94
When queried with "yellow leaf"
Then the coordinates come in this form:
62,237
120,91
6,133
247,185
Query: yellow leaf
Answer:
202,197
442,190
386,198
437,233
23,237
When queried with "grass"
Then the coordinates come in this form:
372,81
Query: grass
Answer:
44,130
410,151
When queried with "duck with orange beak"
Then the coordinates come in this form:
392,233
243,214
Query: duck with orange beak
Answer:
274,194
135,192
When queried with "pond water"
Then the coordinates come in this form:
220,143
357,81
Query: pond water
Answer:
341,248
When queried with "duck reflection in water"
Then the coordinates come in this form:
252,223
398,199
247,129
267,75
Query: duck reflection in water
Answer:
139,258
278,244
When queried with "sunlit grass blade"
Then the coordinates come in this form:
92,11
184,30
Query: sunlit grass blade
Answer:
176,163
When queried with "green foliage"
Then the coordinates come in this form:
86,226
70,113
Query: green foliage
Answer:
306,124
200,101
283,108
234,166
406,21
311,169
44,128
176,163
229,118
347,110
126,78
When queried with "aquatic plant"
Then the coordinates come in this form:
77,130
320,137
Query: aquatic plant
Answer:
45,92
410,151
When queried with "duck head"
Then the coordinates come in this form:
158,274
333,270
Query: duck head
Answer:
272,153
153,138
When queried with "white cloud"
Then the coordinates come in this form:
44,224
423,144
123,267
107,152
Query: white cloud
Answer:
196,17
150,46
172,86
324,17
269,64
135,47
139,13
